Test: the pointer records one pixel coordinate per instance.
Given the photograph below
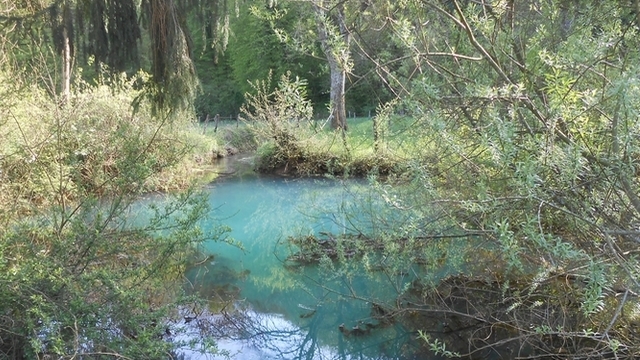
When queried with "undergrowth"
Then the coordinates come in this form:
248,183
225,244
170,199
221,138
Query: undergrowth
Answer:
83,273
290,142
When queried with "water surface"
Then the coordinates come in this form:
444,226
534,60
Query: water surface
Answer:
292,312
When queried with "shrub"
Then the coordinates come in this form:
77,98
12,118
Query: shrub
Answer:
81,275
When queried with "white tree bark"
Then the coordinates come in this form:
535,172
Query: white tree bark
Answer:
67,55
334,40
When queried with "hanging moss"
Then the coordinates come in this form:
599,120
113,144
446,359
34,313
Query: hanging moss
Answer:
172,70
123,34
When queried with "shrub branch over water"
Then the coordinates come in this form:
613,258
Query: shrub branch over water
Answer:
524,134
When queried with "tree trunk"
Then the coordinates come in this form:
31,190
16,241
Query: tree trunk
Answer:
338,108
66,69
67,54
337,57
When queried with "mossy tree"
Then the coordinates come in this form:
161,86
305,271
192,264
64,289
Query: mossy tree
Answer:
118,36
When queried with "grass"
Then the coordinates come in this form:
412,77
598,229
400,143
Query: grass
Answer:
80,150
319,150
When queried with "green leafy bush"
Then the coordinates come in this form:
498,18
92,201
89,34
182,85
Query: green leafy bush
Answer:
82,273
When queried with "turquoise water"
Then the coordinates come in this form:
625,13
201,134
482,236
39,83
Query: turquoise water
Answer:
297,313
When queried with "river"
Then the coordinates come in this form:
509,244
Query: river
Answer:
284,312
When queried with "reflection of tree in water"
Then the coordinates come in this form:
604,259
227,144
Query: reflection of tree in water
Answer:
276,338
270,334
320,333
314,334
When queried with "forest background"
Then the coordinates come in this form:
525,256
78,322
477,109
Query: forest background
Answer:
516,122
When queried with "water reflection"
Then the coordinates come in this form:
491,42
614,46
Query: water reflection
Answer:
270,311
254,335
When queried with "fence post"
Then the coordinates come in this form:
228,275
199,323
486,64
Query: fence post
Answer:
206,124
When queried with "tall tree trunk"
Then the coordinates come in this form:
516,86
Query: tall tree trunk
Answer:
337,54
67,53
66,69
338,108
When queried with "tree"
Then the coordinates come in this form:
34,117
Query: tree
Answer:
63,33
171,52
261,45
353,41
334,37
533,123
255,50
81,275
114,38
525,120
